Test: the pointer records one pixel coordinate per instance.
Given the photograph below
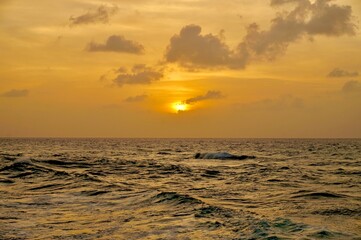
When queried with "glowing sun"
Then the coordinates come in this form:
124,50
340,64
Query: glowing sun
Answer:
180,106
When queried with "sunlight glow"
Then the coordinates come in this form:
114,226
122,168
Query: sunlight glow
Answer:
180,106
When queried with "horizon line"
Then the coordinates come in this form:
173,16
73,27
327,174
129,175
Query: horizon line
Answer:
95,137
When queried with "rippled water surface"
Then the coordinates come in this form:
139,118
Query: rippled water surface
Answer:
156,189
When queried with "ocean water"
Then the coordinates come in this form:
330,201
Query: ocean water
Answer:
156,189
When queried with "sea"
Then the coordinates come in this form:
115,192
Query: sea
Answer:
87,188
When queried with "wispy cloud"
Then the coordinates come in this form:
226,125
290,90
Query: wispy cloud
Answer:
135,99
352,87
209,95
14,93
340,73
280,103
116,43
100,15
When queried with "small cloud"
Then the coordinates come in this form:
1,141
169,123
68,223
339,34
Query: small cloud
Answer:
209,95
116,44
351,87
139,74
135,99
339,73
16,93
99,15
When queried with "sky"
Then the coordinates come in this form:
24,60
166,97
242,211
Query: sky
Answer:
180,68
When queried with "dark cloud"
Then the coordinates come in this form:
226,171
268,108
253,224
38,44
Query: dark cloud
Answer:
352,87
134,99
191,48
209,95
307,19
339,73
99,15
16,93
139,74
116,44
329,19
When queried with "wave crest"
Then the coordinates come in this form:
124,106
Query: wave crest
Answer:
222,156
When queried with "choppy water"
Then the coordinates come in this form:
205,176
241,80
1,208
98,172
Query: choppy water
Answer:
155,189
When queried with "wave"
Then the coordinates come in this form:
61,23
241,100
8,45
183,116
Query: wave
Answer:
280,228
222,156
21,165
317,195
66,164
50,169
339,211
94,192
175,198
328,234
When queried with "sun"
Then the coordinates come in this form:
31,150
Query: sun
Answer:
180,106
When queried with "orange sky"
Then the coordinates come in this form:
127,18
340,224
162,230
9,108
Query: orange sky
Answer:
180,68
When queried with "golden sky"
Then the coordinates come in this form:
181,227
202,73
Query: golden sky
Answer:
180,68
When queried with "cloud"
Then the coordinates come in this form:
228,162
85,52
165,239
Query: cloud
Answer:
307,19
135,99
192,49
209,95
16,93
139,74
339,73
351,87
99,15
116,44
